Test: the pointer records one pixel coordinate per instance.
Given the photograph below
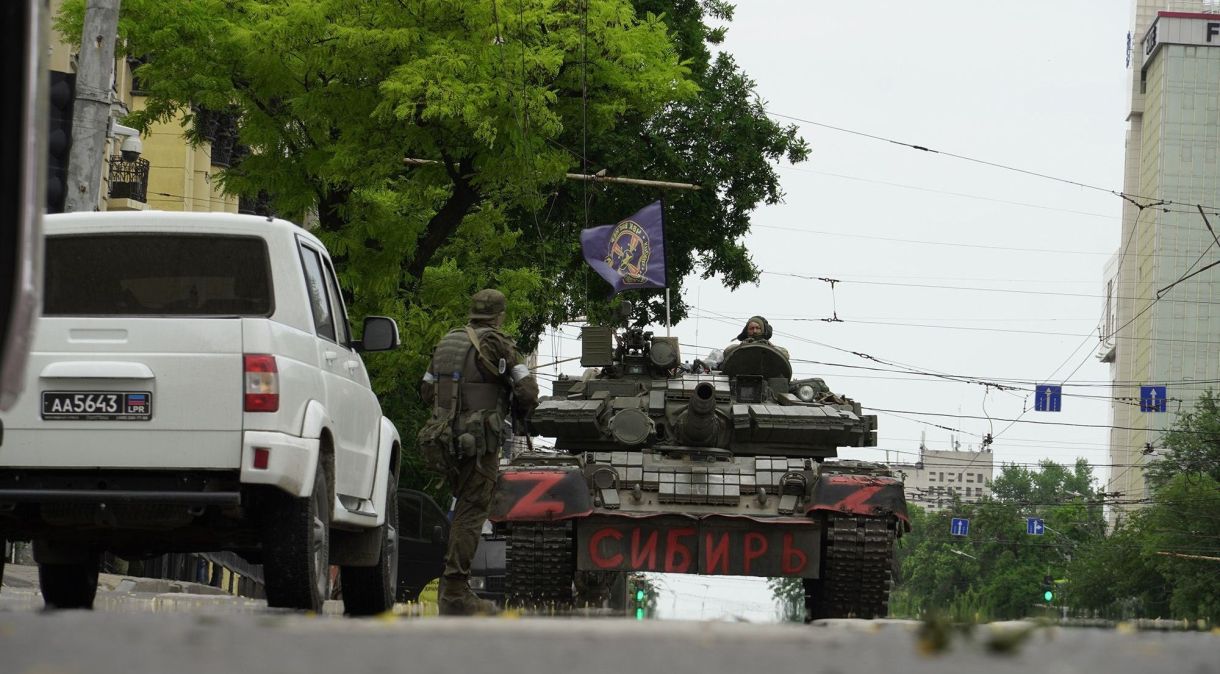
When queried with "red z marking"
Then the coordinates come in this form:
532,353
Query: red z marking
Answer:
531,505
855,501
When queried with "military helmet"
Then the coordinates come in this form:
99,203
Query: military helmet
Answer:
487,304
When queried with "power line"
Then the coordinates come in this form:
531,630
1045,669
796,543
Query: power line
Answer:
1135,199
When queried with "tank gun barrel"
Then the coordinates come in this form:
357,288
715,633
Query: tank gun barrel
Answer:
698,424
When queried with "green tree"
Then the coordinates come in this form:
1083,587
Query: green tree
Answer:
1164,559
331,96
789,594
997,571
1192,445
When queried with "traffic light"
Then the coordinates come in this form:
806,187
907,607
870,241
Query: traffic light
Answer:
59,138
1048,589
637,594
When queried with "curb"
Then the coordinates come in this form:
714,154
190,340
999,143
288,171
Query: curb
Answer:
26,576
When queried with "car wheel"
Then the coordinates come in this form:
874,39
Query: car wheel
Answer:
296,543
72,585
369,590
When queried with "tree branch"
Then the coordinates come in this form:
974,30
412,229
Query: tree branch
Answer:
442,225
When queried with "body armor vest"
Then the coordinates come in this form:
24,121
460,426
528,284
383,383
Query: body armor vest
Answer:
460,384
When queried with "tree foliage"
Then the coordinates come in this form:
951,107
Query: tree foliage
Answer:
1164,560
997,571
500,100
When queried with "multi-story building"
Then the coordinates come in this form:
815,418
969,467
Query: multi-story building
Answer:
942,475
167,172
1162,325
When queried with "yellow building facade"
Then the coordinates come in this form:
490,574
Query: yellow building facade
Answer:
180,177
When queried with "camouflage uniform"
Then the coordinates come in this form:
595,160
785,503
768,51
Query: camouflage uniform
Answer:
468,387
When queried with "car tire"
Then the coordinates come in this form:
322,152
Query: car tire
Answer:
296,546
73,585
370,590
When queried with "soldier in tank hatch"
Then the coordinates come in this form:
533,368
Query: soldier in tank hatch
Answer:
756,330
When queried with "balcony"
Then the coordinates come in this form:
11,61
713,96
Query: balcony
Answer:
128,179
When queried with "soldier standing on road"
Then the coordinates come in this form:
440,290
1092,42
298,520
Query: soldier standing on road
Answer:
475,379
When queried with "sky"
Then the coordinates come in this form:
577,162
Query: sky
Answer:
943,264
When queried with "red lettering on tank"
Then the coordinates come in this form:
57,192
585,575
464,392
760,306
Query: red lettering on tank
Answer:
753,552
676,550
531,506
648,550
717,554
793,560
595,553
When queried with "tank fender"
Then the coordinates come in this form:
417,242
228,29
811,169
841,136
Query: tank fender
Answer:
860,495
540,495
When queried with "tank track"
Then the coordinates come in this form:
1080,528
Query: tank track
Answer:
541,562
856,569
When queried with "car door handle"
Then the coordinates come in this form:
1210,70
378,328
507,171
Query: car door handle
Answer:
352,365
330,356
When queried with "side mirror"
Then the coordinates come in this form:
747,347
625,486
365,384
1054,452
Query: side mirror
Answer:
438,535
380,334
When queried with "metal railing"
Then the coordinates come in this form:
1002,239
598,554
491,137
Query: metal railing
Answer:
129,178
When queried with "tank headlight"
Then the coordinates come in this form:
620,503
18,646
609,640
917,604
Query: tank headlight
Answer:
805,392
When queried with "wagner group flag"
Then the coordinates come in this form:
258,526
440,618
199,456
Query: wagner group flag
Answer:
631,253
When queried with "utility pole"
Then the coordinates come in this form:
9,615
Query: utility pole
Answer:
91,112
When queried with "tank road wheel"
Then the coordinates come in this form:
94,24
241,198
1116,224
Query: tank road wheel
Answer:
541,565
856,569
296,542
369,590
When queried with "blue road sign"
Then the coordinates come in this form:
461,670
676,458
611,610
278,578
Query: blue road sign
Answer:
1034,526
1152,398
960,526
1047,398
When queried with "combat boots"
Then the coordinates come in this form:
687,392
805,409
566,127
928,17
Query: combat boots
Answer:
456,598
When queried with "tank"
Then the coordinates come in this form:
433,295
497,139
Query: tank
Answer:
711,468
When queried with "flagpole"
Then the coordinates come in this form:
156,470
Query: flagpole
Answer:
666,311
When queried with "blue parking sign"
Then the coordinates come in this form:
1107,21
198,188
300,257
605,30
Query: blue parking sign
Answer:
960,526
1152,398
1047,398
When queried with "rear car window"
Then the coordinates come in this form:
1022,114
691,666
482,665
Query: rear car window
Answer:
156,274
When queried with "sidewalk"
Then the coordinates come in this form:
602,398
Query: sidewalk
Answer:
26,576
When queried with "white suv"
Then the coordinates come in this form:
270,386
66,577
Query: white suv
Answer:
193,385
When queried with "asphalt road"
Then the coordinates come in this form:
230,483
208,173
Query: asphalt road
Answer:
153,631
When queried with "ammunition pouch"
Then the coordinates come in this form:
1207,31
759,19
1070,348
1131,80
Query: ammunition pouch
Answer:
436,444
479,432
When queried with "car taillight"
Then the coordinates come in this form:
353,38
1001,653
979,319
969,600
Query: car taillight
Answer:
262,383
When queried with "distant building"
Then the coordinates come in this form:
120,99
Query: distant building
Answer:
940,475
1153,334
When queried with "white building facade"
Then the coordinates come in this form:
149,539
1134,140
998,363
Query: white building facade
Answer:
939,476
